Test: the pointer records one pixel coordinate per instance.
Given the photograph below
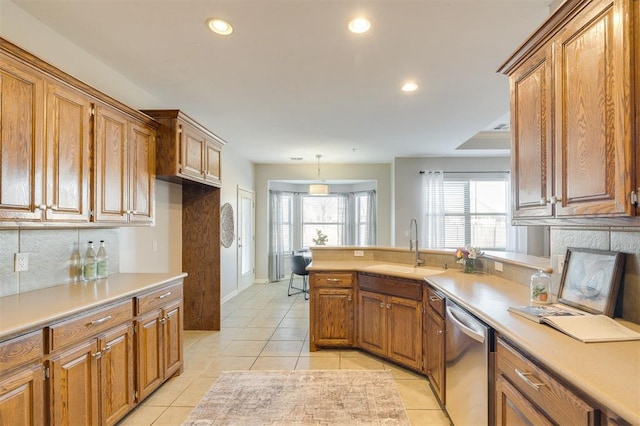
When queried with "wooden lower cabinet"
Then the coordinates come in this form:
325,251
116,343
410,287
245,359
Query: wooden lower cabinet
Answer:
159,346
528,394
334,317
391,326
22,397
73,386
434,340
116,366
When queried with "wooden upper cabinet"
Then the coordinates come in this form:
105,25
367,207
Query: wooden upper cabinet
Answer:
21,140
574,114
593,113
124,168
68,154
531,99
185,149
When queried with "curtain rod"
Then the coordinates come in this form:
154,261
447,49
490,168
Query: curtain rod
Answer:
468,172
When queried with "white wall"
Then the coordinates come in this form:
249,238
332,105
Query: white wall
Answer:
381,173
236,172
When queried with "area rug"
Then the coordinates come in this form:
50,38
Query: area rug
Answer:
321,397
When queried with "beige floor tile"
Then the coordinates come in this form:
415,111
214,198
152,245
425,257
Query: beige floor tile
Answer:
356,363
309,363
321,353
417,395
282,333
238,322
298,312
273,313
352,353
233,363
173,416
244,348
265,322
401,373
256,333
143,415
428,418
302,323
194,392
169,391
282,348
245,313
275,363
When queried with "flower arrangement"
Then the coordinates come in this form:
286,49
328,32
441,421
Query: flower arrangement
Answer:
321,238
467,258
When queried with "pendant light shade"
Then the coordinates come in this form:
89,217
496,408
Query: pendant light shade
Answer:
318,188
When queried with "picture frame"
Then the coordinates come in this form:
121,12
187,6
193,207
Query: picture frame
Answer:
591,280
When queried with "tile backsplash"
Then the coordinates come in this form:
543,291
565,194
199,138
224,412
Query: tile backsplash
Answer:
50,252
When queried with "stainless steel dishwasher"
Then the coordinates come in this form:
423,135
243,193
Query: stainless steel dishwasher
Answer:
468,367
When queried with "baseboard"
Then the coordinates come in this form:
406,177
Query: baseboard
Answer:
229,297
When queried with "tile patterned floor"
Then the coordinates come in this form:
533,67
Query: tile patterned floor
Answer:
264,329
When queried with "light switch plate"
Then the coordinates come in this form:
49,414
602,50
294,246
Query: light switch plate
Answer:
498,266
358,253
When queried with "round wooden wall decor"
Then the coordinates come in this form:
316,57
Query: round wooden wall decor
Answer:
227,233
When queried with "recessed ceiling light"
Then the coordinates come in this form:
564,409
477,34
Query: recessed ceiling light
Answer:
219,26
359,25
409,86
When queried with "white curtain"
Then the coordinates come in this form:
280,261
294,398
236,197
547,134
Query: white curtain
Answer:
345,213
433,208
276,246
372,221
516,235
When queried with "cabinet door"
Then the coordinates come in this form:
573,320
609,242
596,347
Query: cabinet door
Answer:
435,347
372,322
22,397
68,154
333,317
111,170
21,141
141,166
212,162
149,344
404,331
513,409
192,151
531,129
116,374
594,160
172,321
73,389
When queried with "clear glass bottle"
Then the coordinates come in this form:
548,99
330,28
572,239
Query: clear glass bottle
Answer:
103,261
89,264
75,264
540,288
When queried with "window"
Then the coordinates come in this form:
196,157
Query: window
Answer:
287,223
475,213
362,218
326,214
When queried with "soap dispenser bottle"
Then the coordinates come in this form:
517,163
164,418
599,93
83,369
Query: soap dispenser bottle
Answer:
540,288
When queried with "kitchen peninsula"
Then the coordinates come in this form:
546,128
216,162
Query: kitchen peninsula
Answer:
603,377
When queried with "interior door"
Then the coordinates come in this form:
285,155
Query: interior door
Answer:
246,238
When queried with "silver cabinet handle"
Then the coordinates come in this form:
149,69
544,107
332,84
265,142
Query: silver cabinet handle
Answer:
527,380
381,305
100,321
97,355
439,332
162,296
334,280
388,305
434,298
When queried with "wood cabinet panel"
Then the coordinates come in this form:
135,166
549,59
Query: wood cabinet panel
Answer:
593,104
22,397
531,126
405,331
150,354
157,298
408,289
337,279
333,325
116,374
21,350
435,353
513,409
21,140
68,154
372,322
212,163
73,390
141,174
193,144
172,338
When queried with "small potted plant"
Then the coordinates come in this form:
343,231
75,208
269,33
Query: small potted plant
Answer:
539,293
467,258
321,239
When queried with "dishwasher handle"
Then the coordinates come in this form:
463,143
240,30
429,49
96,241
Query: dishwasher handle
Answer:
460,323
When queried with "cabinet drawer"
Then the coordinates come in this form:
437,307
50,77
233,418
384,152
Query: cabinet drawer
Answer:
333,279
156,298
436,301
392,286
558,401
88,325
20,350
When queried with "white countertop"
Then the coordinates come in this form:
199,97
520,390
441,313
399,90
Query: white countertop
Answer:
608,372
28,311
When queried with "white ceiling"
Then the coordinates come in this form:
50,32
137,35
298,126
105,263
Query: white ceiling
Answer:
293,82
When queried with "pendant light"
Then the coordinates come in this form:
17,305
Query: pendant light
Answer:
318,188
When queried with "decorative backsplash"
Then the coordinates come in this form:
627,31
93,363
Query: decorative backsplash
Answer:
50,253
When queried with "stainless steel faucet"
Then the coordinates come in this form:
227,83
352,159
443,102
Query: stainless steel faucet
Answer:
414,225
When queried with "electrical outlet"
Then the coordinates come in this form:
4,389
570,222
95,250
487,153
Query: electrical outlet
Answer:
154,246
560,263
22,262
498,266
358,253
